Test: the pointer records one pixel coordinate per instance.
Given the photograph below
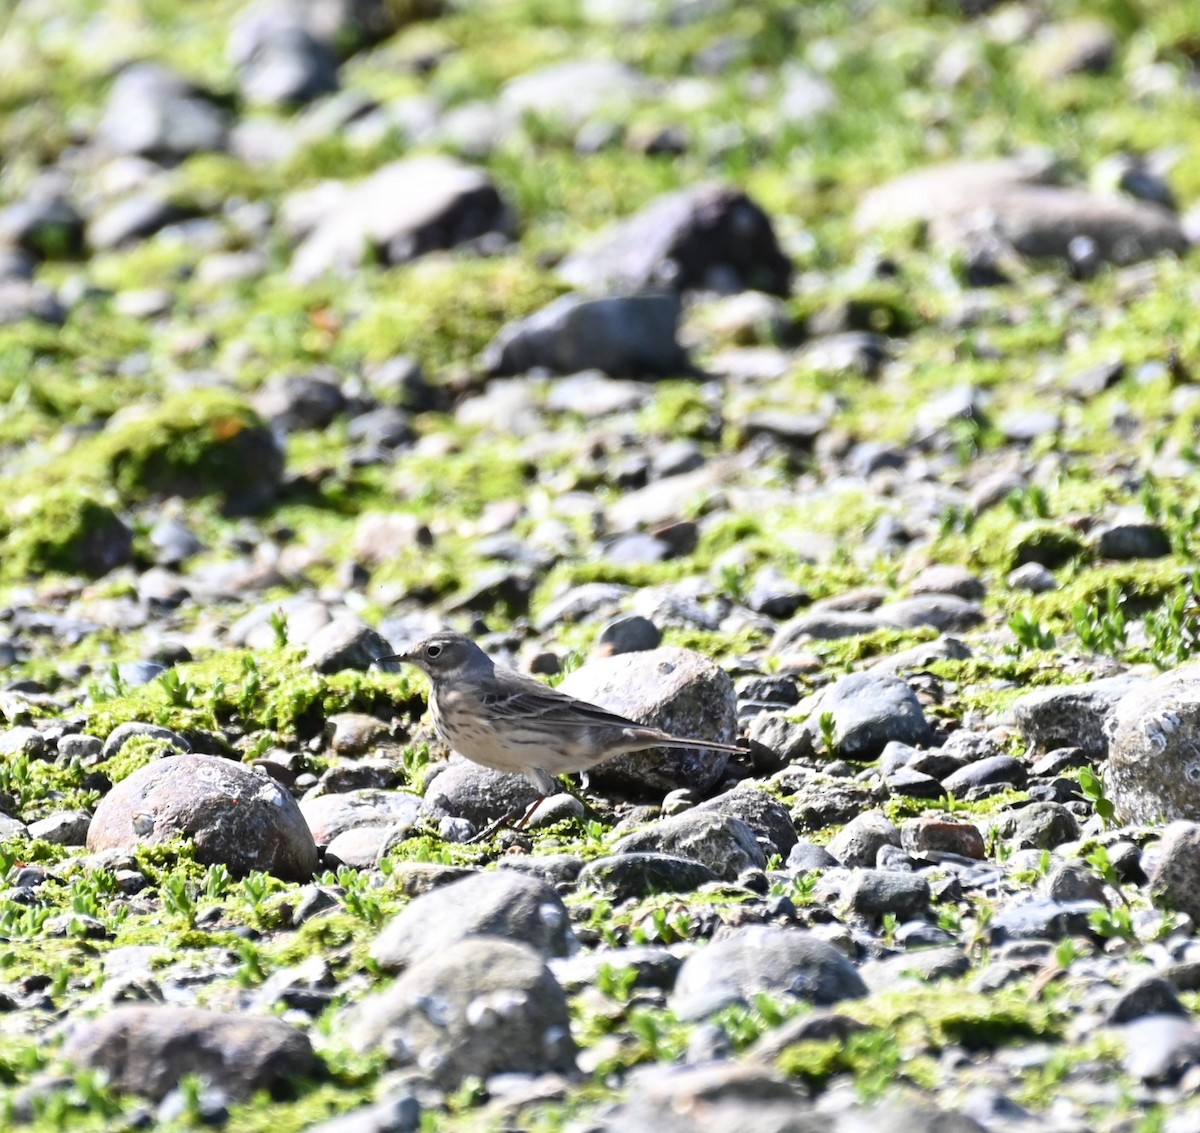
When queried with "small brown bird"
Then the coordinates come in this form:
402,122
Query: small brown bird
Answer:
507,721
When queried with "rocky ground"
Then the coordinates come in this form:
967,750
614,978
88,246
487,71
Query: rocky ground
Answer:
818,374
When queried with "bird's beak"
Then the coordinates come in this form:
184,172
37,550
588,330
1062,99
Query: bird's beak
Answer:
401,657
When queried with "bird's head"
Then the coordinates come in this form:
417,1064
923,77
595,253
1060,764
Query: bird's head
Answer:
444,655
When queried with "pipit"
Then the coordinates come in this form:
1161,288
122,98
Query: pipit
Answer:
510,722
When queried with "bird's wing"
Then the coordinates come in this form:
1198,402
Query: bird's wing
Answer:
547,705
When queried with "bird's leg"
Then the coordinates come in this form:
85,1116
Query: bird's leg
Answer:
523,815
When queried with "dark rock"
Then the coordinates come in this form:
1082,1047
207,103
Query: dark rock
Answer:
345,643
626,875
1151,995
1047,544
709,237
478,794
1072,714
1039,826
962,838
622,336
807,856
1134,538
992,771
874,892
292,402
628,634
44,224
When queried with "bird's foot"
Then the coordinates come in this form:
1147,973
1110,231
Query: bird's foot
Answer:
522,816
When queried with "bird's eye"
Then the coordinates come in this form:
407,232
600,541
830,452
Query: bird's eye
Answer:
433,650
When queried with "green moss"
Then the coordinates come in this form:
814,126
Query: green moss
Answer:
68,531
240,691
205,442
445,309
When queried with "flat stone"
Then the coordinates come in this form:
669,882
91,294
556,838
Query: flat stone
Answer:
502,904
758,959
146,1050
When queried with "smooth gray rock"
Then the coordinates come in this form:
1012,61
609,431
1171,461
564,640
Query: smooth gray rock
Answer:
1014,200
825,625
1041,919
874,892
1039,826
763,813
760,959
573,90
132,218
503,904
1153,767
1071,47
907,1117
233,816
399,1114
719,1095
403,210
475,1008
678,690
67,828
1074,715
806,856
153,112
329,815
724,844
278,58
869,710
345,643
1174,869
478,794
948,613
146,1050
623,336
859,841
1160,1046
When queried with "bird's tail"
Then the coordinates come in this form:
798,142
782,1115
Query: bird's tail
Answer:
655,738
